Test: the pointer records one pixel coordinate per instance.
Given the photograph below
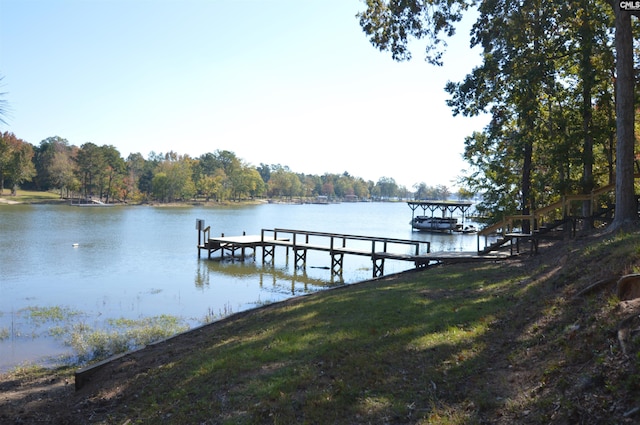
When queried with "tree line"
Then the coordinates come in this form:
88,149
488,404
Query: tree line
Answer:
100,172
558,82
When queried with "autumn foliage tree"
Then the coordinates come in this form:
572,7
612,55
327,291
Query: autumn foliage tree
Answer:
16,164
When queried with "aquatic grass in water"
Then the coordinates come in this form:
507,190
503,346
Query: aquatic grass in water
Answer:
41,315
4,332
122,335
30,321
88,344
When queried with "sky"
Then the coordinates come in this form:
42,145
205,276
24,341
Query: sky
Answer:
289,82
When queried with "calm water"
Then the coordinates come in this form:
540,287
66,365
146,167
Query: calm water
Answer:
137,262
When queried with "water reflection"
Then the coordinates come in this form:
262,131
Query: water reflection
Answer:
282,279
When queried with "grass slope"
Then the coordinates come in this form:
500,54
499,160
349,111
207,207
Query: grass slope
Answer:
512,342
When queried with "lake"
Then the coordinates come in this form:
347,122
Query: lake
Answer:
141,261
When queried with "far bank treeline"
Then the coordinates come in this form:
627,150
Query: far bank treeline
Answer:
102,173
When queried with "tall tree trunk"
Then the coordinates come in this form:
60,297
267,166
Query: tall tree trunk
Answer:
526,185
586,69
611,143
626,208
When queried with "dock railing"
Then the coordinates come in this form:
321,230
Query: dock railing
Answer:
565,209
336,245
338,241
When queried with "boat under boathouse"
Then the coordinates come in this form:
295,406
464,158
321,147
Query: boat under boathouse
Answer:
441,215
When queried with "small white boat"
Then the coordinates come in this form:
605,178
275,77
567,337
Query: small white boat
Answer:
434,224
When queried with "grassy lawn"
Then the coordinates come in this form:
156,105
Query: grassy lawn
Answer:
367,352
31,196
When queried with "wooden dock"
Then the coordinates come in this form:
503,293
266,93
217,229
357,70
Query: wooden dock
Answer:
337,245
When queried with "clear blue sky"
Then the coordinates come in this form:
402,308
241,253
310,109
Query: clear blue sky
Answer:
291,82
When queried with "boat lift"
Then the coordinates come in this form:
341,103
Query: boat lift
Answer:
444,206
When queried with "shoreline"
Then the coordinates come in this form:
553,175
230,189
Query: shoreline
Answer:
35,198
8,202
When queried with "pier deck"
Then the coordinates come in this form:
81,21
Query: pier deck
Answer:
337,245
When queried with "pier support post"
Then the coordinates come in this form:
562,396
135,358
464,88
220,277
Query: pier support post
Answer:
336,263
378,268
301,256
268,253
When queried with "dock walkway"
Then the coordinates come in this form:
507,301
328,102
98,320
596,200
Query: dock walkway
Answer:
337,245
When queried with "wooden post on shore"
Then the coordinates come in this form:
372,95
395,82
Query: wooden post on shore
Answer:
199,228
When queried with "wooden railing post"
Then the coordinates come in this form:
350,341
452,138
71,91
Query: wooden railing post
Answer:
531,224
